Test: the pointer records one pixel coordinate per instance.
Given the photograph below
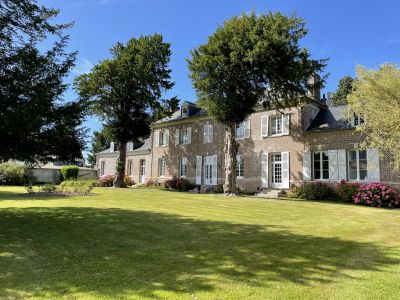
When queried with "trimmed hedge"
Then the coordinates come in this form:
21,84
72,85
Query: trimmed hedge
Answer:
179,184
70,172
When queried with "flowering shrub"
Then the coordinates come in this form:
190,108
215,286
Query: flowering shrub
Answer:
347,190
128,181
151,183
180,184
106,181
296,191
378,195
312,191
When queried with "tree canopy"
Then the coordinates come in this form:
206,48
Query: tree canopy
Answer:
376,98
345,87
126,89
100,141
35,123
251,59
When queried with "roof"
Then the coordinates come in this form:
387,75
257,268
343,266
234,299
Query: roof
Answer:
145,148
330,118
194,111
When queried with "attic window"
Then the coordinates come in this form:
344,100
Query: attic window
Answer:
357,120
184,111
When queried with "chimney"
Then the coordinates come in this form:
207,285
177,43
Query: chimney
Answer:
324,100
315,90
112,147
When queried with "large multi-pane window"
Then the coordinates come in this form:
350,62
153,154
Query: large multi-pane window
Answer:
276,125
239,166
208,134
243,129
163,137
184,138
321,165
182,167
358,165
161,167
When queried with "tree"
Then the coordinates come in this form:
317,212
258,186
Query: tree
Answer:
35,123
344,89
100,141
376,98
126,90
243,59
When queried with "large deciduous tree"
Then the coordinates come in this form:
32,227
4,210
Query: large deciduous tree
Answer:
246,57
100,141
376,98
35,124
126,90
345,87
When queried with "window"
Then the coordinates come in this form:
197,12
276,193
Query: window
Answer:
358,165
276,125
102,168
163,138
161,167
208,134
184,136
182,167
130,167
239,166
243,129
357,120
321,165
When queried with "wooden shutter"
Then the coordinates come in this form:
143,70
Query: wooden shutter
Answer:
157,138
306,166
176,136
333,165
373,173
199,166
264,126
166,136
342,164
285,124
264,169
214,172
247,129
189,135
285,170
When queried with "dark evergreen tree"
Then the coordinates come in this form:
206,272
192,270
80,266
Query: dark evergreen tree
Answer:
345,87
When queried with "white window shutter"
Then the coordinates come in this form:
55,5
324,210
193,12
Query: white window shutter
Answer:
166,136
210,133
199,167
189,135
333,165
214,172
373,173
306,166
285,170
264,126
264,169
157,138
285,124
176,136
247,129
342,164
205,134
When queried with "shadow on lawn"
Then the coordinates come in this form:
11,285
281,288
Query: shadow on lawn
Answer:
110,252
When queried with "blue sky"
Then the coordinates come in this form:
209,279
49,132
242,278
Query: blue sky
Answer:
347,32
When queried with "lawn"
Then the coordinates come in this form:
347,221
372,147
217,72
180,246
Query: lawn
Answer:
150,244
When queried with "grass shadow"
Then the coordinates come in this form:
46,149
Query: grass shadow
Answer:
51,252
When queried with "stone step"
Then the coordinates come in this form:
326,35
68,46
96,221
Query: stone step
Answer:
272,193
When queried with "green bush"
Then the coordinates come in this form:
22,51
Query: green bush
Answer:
77,186
180,184
70,172
219,189
128,181
312,191
13,174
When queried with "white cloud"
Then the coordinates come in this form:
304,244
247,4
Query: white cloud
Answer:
83,66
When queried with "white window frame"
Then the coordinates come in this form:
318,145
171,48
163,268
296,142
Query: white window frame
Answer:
183,167
161,167
130,167
163,138
183,133
321,163
239,166
102,168
357,120
244,129
280,119
358,165
208,134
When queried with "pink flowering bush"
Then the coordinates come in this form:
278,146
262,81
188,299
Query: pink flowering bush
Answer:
347,190
106,181
378,195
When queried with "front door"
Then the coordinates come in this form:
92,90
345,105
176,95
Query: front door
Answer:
210,170
142,176
276,170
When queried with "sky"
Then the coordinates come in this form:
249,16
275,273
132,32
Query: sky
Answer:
349,33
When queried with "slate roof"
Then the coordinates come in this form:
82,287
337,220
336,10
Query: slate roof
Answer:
330,118
143,149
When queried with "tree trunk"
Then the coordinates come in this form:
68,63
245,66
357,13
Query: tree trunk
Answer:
119,181
230,150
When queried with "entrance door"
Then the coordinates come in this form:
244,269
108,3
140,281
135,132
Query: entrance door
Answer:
210,170
142,176
276,170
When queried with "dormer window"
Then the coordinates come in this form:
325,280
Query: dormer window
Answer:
185,111
357,120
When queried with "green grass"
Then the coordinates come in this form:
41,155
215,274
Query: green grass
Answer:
152,244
